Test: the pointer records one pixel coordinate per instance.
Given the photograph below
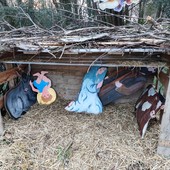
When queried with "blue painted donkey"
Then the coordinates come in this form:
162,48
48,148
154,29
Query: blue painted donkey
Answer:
20,98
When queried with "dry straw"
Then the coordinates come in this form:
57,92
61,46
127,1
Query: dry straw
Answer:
50,138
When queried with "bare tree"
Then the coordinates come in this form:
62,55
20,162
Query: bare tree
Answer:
142,6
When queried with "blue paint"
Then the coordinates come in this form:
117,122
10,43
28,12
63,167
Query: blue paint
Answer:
88,100
41,85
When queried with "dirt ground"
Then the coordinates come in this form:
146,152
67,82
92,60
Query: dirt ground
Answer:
50,138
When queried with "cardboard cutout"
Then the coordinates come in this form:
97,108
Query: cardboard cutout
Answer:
88,100
121,86
42,85
148,104
116,5
20,98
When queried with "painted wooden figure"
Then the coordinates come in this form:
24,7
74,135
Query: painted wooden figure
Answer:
42,85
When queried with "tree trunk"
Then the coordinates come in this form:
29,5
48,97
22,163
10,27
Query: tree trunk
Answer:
67,7
141,10
114,19
126,13
159,10
75,7
31,9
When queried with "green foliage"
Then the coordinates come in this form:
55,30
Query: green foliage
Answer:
150,10
14,16
165,6
67,14
44,17
9,15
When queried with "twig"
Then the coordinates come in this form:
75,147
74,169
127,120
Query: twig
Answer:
62,51
27,15
8,24
158,37
88,28
46,50
59,27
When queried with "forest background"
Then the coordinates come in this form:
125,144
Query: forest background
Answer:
66,14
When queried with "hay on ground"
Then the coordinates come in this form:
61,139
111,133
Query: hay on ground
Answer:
50,138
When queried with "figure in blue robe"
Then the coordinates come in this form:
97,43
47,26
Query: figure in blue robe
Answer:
88,100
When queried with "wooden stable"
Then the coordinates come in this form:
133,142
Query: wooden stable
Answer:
68,56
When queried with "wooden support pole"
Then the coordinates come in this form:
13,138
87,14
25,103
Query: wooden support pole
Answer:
1,120
1,125
164,138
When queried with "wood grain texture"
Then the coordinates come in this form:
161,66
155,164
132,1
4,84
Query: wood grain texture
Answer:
164,138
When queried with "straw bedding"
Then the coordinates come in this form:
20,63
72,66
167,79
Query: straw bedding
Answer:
50,138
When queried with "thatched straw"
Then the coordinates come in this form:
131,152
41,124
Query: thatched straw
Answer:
50,138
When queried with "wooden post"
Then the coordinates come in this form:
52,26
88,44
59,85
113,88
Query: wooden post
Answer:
1,120
164,138
1,125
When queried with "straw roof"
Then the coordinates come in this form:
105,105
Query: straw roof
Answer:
89,45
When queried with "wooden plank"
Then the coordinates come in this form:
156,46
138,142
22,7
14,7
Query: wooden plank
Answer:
113,50
164,79
164,138
70,69
139,42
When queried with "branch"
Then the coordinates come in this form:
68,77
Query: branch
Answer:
27,15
